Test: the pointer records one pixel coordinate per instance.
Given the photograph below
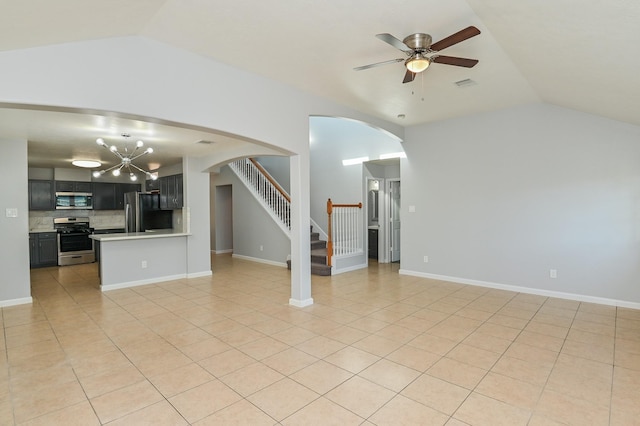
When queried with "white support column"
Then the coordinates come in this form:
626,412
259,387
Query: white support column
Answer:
300,231
197,213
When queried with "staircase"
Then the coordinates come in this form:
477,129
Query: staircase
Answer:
276,203
318,256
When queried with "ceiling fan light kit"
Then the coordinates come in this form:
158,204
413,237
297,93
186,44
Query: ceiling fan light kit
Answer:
417,63
126,160
422,52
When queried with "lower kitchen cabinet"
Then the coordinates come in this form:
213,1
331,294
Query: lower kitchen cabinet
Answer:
43,249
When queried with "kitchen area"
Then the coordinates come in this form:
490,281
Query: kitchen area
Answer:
75,219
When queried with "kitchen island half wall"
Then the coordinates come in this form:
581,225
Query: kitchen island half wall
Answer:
139,258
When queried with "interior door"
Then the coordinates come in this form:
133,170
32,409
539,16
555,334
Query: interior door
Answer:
394,219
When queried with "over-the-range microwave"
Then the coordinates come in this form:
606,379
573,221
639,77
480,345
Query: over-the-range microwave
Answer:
74,201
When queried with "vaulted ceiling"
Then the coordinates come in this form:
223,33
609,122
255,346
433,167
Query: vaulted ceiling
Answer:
576,54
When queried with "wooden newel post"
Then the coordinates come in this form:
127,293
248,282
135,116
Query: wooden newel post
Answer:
330,233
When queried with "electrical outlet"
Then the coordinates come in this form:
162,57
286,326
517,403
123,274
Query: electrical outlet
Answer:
426,259
553,273
261,247
144,264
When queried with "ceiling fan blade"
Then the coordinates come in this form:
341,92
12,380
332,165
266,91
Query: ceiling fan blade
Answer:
409,77
452,60
377,64
388,38
461,35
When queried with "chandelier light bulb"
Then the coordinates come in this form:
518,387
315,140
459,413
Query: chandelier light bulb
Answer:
113,148
116,172
149,150
100,142
133,177
96,174
139,144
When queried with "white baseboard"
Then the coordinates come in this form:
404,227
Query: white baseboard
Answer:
301,303
14,302
200,274
142,282
257,259
335,271
527,290
222,251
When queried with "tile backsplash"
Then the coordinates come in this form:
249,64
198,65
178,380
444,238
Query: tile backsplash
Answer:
41,221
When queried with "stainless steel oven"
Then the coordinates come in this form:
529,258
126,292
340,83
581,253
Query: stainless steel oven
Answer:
74,243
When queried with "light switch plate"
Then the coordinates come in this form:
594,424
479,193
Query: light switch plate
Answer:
12,212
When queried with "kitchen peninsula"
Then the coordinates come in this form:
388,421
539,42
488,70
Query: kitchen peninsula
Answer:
139,258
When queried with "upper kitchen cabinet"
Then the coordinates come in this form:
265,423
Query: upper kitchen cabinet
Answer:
110,196
69,186
171,192
123,188
104,196
152,185
41,195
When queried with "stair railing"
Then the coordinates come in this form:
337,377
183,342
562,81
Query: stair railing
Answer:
345,230
266,190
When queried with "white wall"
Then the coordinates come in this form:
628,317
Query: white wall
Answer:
278,168
14,250
504,197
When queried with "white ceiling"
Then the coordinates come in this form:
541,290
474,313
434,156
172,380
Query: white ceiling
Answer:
576,54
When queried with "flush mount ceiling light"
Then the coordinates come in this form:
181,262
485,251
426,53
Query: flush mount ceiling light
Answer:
87,164
126,160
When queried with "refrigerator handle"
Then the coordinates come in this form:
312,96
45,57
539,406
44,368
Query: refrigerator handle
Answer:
126,217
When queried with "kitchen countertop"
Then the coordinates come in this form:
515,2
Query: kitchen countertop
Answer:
161,233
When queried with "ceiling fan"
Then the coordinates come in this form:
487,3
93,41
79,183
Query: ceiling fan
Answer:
421,52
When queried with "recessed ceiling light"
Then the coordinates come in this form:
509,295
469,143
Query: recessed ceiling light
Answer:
88,164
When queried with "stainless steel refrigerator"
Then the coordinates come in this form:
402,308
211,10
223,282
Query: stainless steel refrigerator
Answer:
142,212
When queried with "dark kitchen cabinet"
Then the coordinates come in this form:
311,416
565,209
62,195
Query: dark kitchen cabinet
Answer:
152,185
171,192
110,196
104,196
41,195
70,186
43,249
123,188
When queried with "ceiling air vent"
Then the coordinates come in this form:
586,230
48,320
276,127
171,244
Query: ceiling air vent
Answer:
205,142
466,82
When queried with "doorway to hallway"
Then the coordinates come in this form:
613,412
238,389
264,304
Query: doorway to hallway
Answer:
393,195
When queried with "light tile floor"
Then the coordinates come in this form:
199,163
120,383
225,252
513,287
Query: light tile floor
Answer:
376,348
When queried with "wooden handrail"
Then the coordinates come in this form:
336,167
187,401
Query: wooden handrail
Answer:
330,207
270,179
359,205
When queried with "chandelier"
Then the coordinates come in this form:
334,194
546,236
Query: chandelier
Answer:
126,160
